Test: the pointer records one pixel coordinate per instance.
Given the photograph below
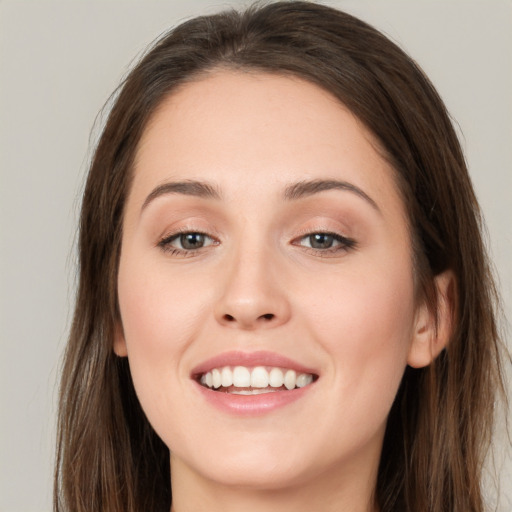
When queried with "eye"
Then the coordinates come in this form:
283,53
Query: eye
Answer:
320,240
185,242
326,242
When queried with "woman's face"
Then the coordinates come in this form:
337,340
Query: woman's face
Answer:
264,230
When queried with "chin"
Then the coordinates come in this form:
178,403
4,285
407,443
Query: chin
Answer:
248,473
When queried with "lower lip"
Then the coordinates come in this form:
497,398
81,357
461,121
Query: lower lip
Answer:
250,405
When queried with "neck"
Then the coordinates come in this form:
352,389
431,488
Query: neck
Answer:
351,491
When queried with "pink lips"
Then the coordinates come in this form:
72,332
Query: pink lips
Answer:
260,358
249,405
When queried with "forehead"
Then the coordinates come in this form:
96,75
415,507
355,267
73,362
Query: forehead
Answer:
248,132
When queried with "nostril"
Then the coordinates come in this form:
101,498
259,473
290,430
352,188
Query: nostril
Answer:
267,317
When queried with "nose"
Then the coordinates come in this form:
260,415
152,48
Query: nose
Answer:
252,296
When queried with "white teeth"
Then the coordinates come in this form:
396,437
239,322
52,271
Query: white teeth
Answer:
276,378
241,377
303,380
290,378
259,377
227,377
216,378
256,381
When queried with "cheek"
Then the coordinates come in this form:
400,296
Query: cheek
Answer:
366,324
156,308
159,317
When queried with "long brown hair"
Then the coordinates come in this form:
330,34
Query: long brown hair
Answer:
108,456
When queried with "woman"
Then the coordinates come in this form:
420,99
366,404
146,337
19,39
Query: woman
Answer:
284,299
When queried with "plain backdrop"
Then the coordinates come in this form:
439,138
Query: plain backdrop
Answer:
59,61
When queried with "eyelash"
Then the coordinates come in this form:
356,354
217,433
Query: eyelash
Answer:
345,244
165,243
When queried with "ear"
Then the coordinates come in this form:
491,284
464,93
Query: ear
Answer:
433,329
119,341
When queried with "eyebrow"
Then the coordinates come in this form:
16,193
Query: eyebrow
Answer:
308,188
292,192
188,188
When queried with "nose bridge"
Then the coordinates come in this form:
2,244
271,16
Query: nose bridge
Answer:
252,294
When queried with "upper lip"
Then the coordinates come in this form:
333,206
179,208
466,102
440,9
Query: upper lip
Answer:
250,359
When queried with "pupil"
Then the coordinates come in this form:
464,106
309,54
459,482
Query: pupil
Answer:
321,241
192,241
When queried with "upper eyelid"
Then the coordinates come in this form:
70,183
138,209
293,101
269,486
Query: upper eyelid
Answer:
167,240
337,236
171,233
327,231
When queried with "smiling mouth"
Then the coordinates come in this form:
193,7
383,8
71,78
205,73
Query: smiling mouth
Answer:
243,380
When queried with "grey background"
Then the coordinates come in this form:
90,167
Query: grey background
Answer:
59,61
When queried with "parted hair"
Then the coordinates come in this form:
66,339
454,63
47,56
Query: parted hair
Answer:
109,458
